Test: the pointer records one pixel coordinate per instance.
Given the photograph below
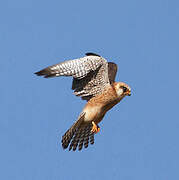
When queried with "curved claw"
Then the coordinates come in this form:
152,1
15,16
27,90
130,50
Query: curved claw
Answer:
95,129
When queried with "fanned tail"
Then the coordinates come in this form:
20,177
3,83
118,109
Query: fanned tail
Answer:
78,135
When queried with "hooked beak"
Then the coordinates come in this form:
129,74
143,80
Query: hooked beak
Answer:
129,93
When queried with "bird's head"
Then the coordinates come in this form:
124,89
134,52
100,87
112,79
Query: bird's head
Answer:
122,89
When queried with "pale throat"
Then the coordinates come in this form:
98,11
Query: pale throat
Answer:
119,92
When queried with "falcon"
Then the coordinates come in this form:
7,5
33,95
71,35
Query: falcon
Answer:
93,81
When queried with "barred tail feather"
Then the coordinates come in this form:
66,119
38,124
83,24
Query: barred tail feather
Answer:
78,135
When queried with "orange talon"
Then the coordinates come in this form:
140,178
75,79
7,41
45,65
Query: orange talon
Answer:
95,128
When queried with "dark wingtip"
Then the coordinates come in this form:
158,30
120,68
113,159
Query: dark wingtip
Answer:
92,54
41,73
38,73
45,73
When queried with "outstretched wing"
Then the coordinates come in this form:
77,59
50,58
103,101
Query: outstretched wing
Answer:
78,68
90,74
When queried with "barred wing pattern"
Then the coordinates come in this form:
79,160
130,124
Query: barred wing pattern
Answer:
90,74
78,68
92,84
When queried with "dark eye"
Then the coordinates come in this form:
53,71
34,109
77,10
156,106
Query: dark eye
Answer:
124,89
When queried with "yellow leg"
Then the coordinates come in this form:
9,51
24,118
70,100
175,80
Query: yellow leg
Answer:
95,128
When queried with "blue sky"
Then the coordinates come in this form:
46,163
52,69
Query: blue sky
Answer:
138,138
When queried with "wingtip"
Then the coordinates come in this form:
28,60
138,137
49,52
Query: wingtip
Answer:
92,54
44,73
40,73
37,73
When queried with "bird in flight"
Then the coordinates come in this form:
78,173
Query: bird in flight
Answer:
93,81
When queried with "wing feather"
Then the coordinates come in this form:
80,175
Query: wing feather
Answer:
112,70
78,68
90,74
